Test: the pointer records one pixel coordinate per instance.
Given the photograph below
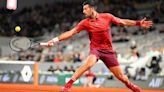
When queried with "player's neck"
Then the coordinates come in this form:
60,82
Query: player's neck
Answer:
94,15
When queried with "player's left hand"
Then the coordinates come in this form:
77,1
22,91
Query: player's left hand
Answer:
146,24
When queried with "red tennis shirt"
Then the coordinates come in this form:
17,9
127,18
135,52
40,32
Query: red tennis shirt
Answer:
99,30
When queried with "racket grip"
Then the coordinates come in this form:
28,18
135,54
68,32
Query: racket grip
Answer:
43,44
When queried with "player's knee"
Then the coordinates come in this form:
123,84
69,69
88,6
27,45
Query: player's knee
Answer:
85,66
89,65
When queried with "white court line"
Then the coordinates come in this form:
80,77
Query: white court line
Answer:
17,62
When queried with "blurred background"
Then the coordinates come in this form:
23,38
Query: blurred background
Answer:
140,51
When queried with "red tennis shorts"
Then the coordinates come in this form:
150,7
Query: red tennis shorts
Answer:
106,55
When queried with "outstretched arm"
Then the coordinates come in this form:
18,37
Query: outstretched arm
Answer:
142,23
67,34
127,22
63,36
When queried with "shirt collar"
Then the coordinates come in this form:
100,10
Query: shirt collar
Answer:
97,17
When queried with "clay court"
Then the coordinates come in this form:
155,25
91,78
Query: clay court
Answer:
31,88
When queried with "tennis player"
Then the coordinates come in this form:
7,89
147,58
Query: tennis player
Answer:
98,27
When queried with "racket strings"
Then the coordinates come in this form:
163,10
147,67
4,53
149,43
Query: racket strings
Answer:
19,44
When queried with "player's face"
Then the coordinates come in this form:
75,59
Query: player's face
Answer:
87,10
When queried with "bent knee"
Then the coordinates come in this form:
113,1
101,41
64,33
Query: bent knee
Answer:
87,66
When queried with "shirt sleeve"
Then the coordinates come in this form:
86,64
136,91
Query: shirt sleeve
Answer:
113,19
80,26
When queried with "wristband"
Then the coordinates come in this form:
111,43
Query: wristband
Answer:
55,40
138,23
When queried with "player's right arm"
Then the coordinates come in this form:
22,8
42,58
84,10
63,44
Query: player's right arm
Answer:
68,34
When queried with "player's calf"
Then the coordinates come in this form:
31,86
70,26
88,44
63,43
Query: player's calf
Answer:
133,87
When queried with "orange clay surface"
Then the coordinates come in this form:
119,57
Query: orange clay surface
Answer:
45,88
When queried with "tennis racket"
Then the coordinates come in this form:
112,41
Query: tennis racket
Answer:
23,43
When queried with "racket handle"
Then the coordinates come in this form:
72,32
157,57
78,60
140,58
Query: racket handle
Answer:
43,44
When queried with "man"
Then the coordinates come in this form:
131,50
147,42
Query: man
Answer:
98,27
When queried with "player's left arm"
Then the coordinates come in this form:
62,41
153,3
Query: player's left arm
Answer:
128,22
142,23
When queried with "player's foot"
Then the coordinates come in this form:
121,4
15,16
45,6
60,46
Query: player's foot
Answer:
134,87
66,88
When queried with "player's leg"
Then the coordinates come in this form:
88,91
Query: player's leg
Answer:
110,60
90,61
118,73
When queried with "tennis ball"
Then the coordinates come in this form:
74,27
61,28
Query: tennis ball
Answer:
17,28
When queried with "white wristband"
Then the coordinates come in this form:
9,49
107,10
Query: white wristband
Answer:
55,40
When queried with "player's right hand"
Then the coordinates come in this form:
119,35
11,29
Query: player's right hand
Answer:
50,43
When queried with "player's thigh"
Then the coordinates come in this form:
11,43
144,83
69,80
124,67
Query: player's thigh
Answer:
91,60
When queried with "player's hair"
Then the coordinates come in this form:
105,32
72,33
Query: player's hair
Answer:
91,3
